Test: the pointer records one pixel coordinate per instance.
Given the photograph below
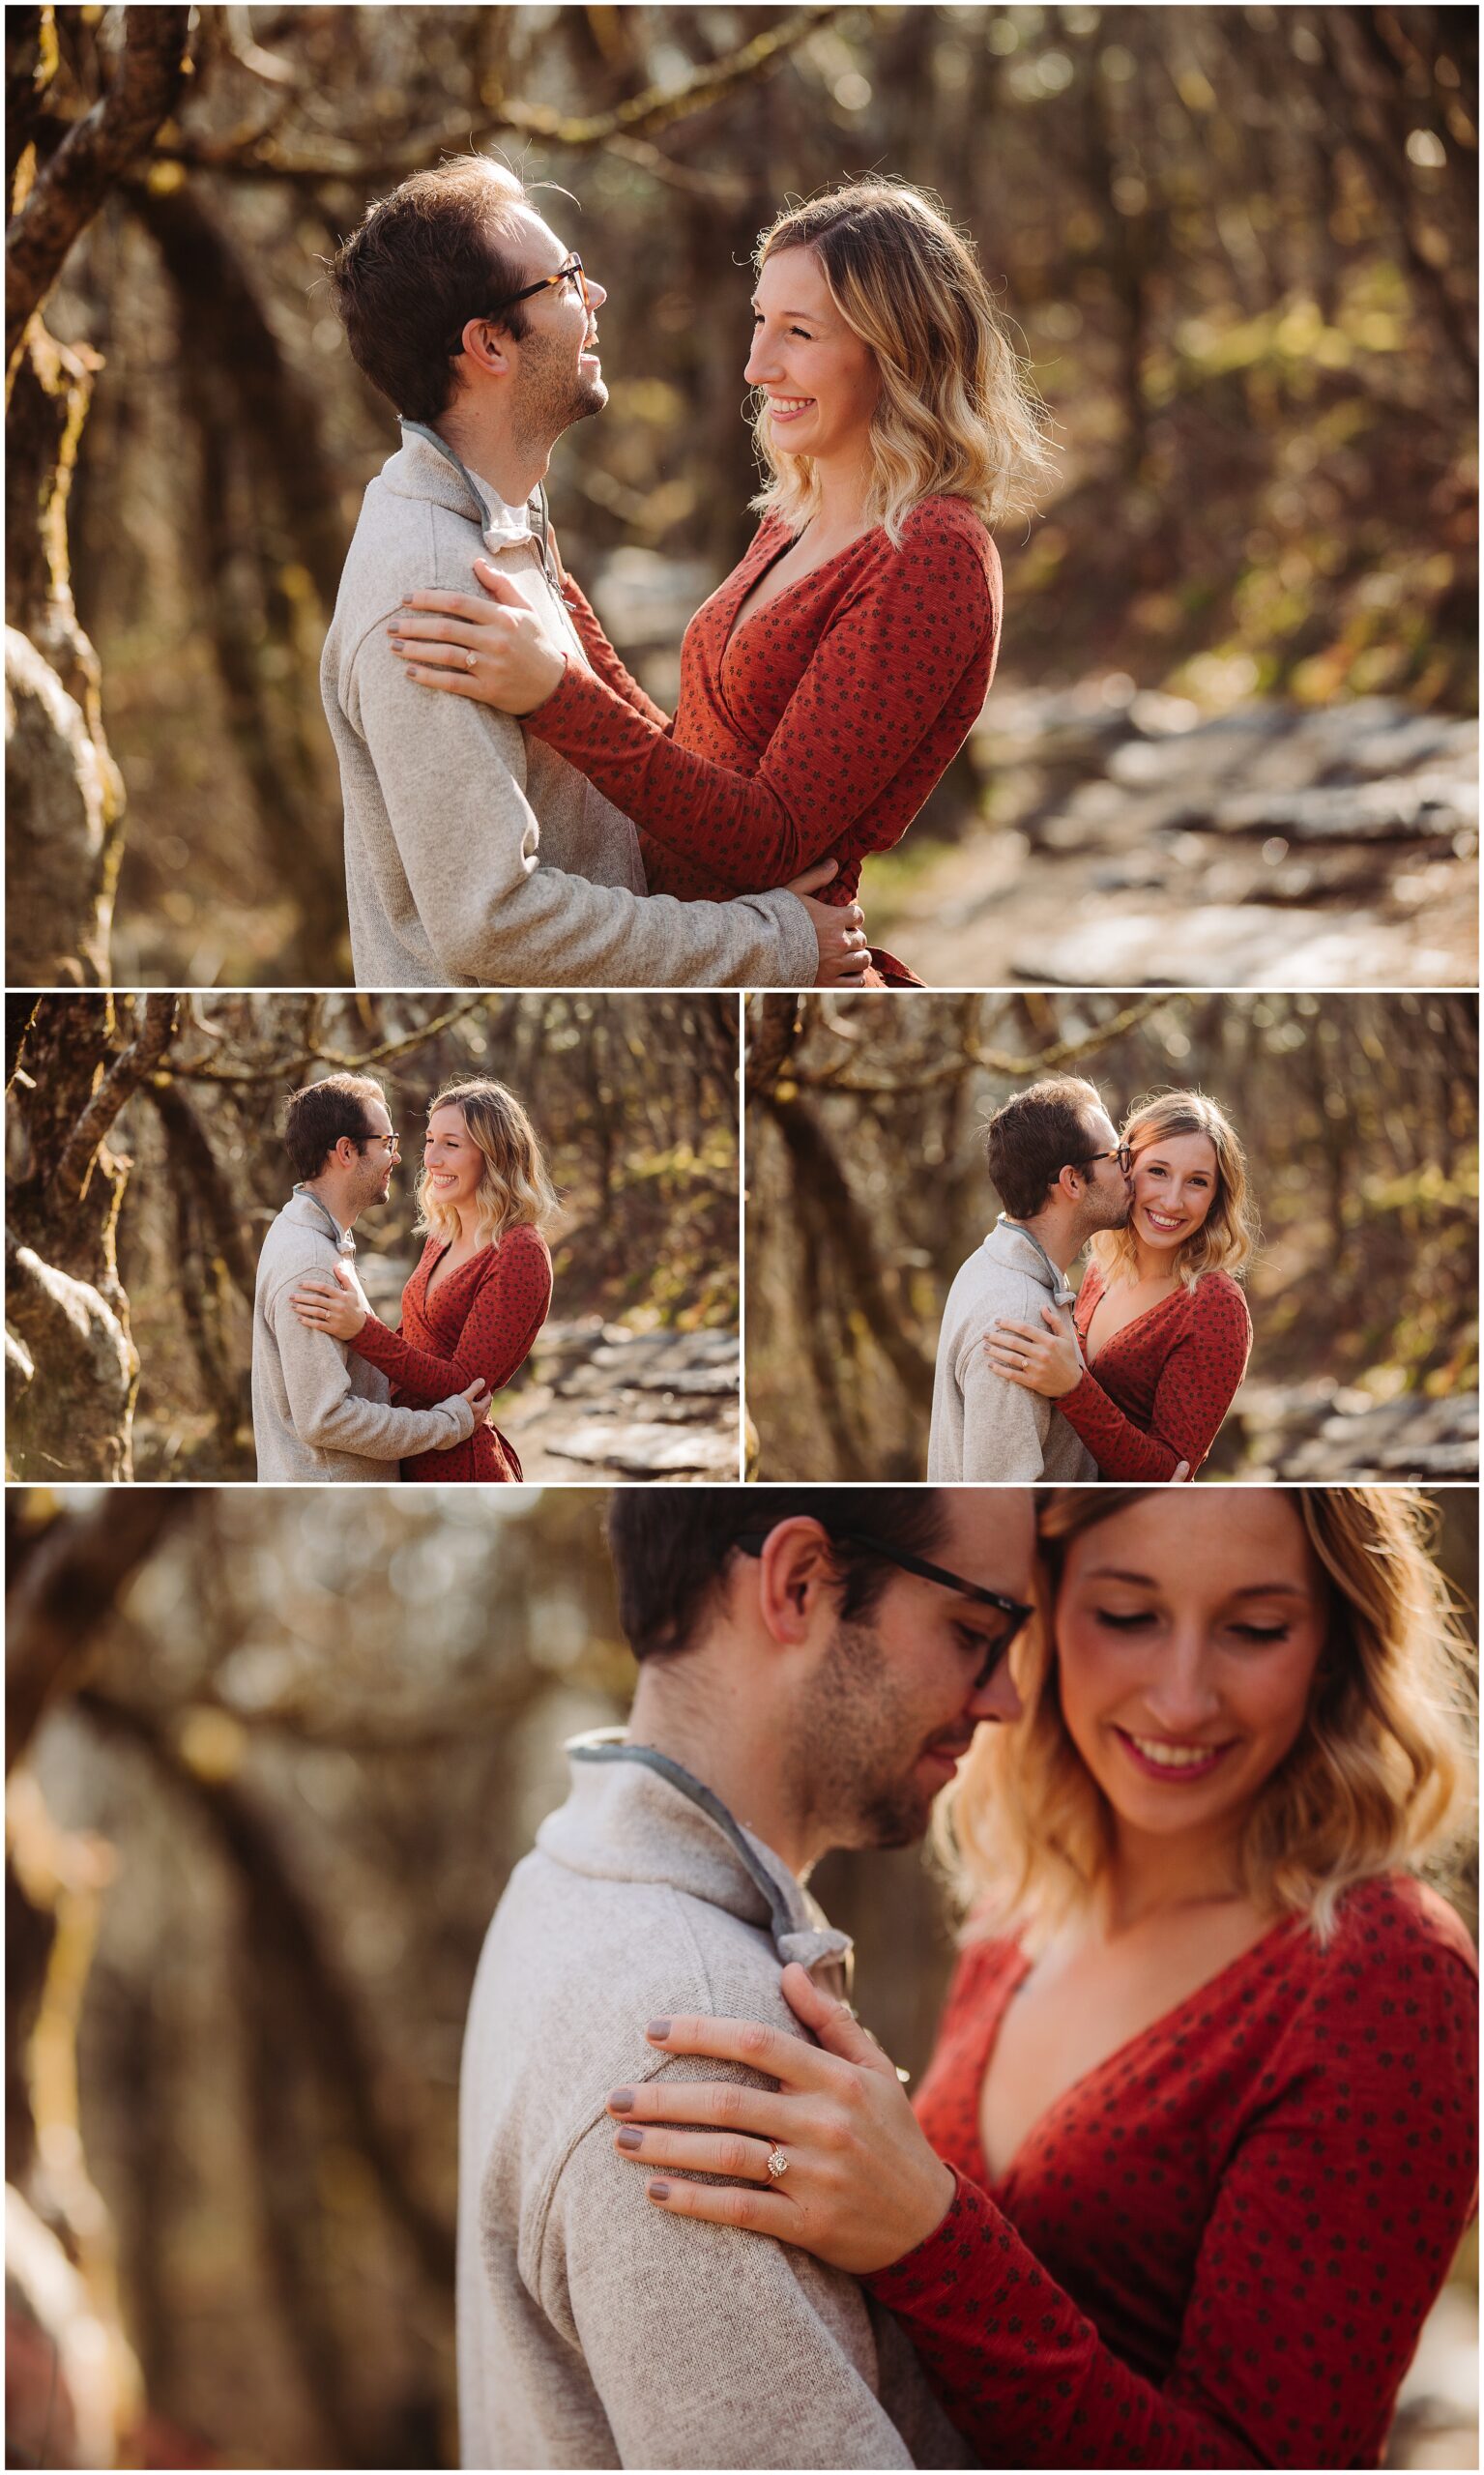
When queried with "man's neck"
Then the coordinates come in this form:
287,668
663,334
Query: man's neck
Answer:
327,1193
512,467
715,1745
1052,1233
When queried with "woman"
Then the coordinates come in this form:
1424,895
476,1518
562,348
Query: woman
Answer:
483,1289
1159,1316
1192,2161
826,686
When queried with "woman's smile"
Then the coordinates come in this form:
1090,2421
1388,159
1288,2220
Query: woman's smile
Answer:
1171,1758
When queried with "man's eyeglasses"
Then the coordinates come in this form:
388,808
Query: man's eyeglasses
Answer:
388,1142
568,272
1124,1156
1016,1615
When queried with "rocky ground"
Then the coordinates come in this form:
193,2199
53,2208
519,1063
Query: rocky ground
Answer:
1135,844
605,1405
1323,1431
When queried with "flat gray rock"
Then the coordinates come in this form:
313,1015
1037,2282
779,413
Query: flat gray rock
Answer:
649,1450
1224,945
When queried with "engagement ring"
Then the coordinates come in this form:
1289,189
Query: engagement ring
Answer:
777,2164
469,660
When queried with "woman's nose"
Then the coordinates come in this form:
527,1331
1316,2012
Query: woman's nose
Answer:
1182,1694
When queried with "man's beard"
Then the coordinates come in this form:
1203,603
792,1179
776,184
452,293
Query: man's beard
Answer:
854,1749
553,394
1117,1216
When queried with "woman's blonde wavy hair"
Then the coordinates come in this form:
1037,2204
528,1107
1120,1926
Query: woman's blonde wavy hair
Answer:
1377,1782
515,1190
1227,1237
958,410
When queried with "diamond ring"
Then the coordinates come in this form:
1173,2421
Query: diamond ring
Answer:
469,660
777,2164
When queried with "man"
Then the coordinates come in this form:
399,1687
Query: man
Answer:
813,1662
1055,1163
474,856
319,1410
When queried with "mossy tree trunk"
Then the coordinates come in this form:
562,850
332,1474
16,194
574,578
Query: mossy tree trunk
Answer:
64,796
72,1370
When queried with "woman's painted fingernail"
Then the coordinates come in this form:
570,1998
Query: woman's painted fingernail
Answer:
622,2102
396,645
659,2191
630,2137
657,2031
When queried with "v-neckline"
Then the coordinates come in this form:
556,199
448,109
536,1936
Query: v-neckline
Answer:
445,1249
995,2183
1143,1311
737,625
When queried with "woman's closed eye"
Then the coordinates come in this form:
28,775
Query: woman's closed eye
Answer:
1137,1620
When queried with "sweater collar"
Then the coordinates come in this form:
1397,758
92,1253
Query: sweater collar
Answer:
308,1211
1011,1240
415,470
636,1816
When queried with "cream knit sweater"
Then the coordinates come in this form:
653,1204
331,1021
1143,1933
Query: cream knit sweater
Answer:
595,2330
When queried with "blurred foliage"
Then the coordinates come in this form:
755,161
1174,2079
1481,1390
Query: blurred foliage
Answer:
1240,243
314,1732
633,1098
866,1189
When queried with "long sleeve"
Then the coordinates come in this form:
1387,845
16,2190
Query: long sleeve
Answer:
1005,1426
451,775
1334,2222
604,659
506,1312
1193,1394
888,663
328,1416
708,2348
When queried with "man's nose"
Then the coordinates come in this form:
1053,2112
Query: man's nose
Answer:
996,1698
598,294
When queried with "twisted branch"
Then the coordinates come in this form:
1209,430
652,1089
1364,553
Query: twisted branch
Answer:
175,1071
162,1019
69,188
657,107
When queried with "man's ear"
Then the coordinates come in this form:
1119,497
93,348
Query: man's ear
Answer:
487,348
1069,1183
796,1574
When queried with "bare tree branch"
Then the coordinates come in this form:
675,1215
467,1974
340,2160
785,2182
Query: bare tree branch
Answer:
325,2018
261,158
67,191
162,1017
64,1591
283,1066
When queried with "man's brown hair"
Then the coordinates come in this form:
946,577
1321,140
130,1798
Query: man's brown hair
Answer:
316,1117
421,263
1034,1136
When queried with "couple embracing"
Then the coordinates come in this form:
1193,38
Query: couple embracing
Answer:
337,1393
1196,2144
518,810
1130,1375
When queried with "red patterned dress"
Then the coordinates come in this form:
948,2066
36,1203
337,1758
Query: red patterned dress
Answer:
1159,1388
481,1320
813,731
1218,2246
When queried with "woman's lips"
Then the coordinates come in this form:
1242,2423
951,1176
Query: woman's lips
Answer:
1167,1759
789,408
